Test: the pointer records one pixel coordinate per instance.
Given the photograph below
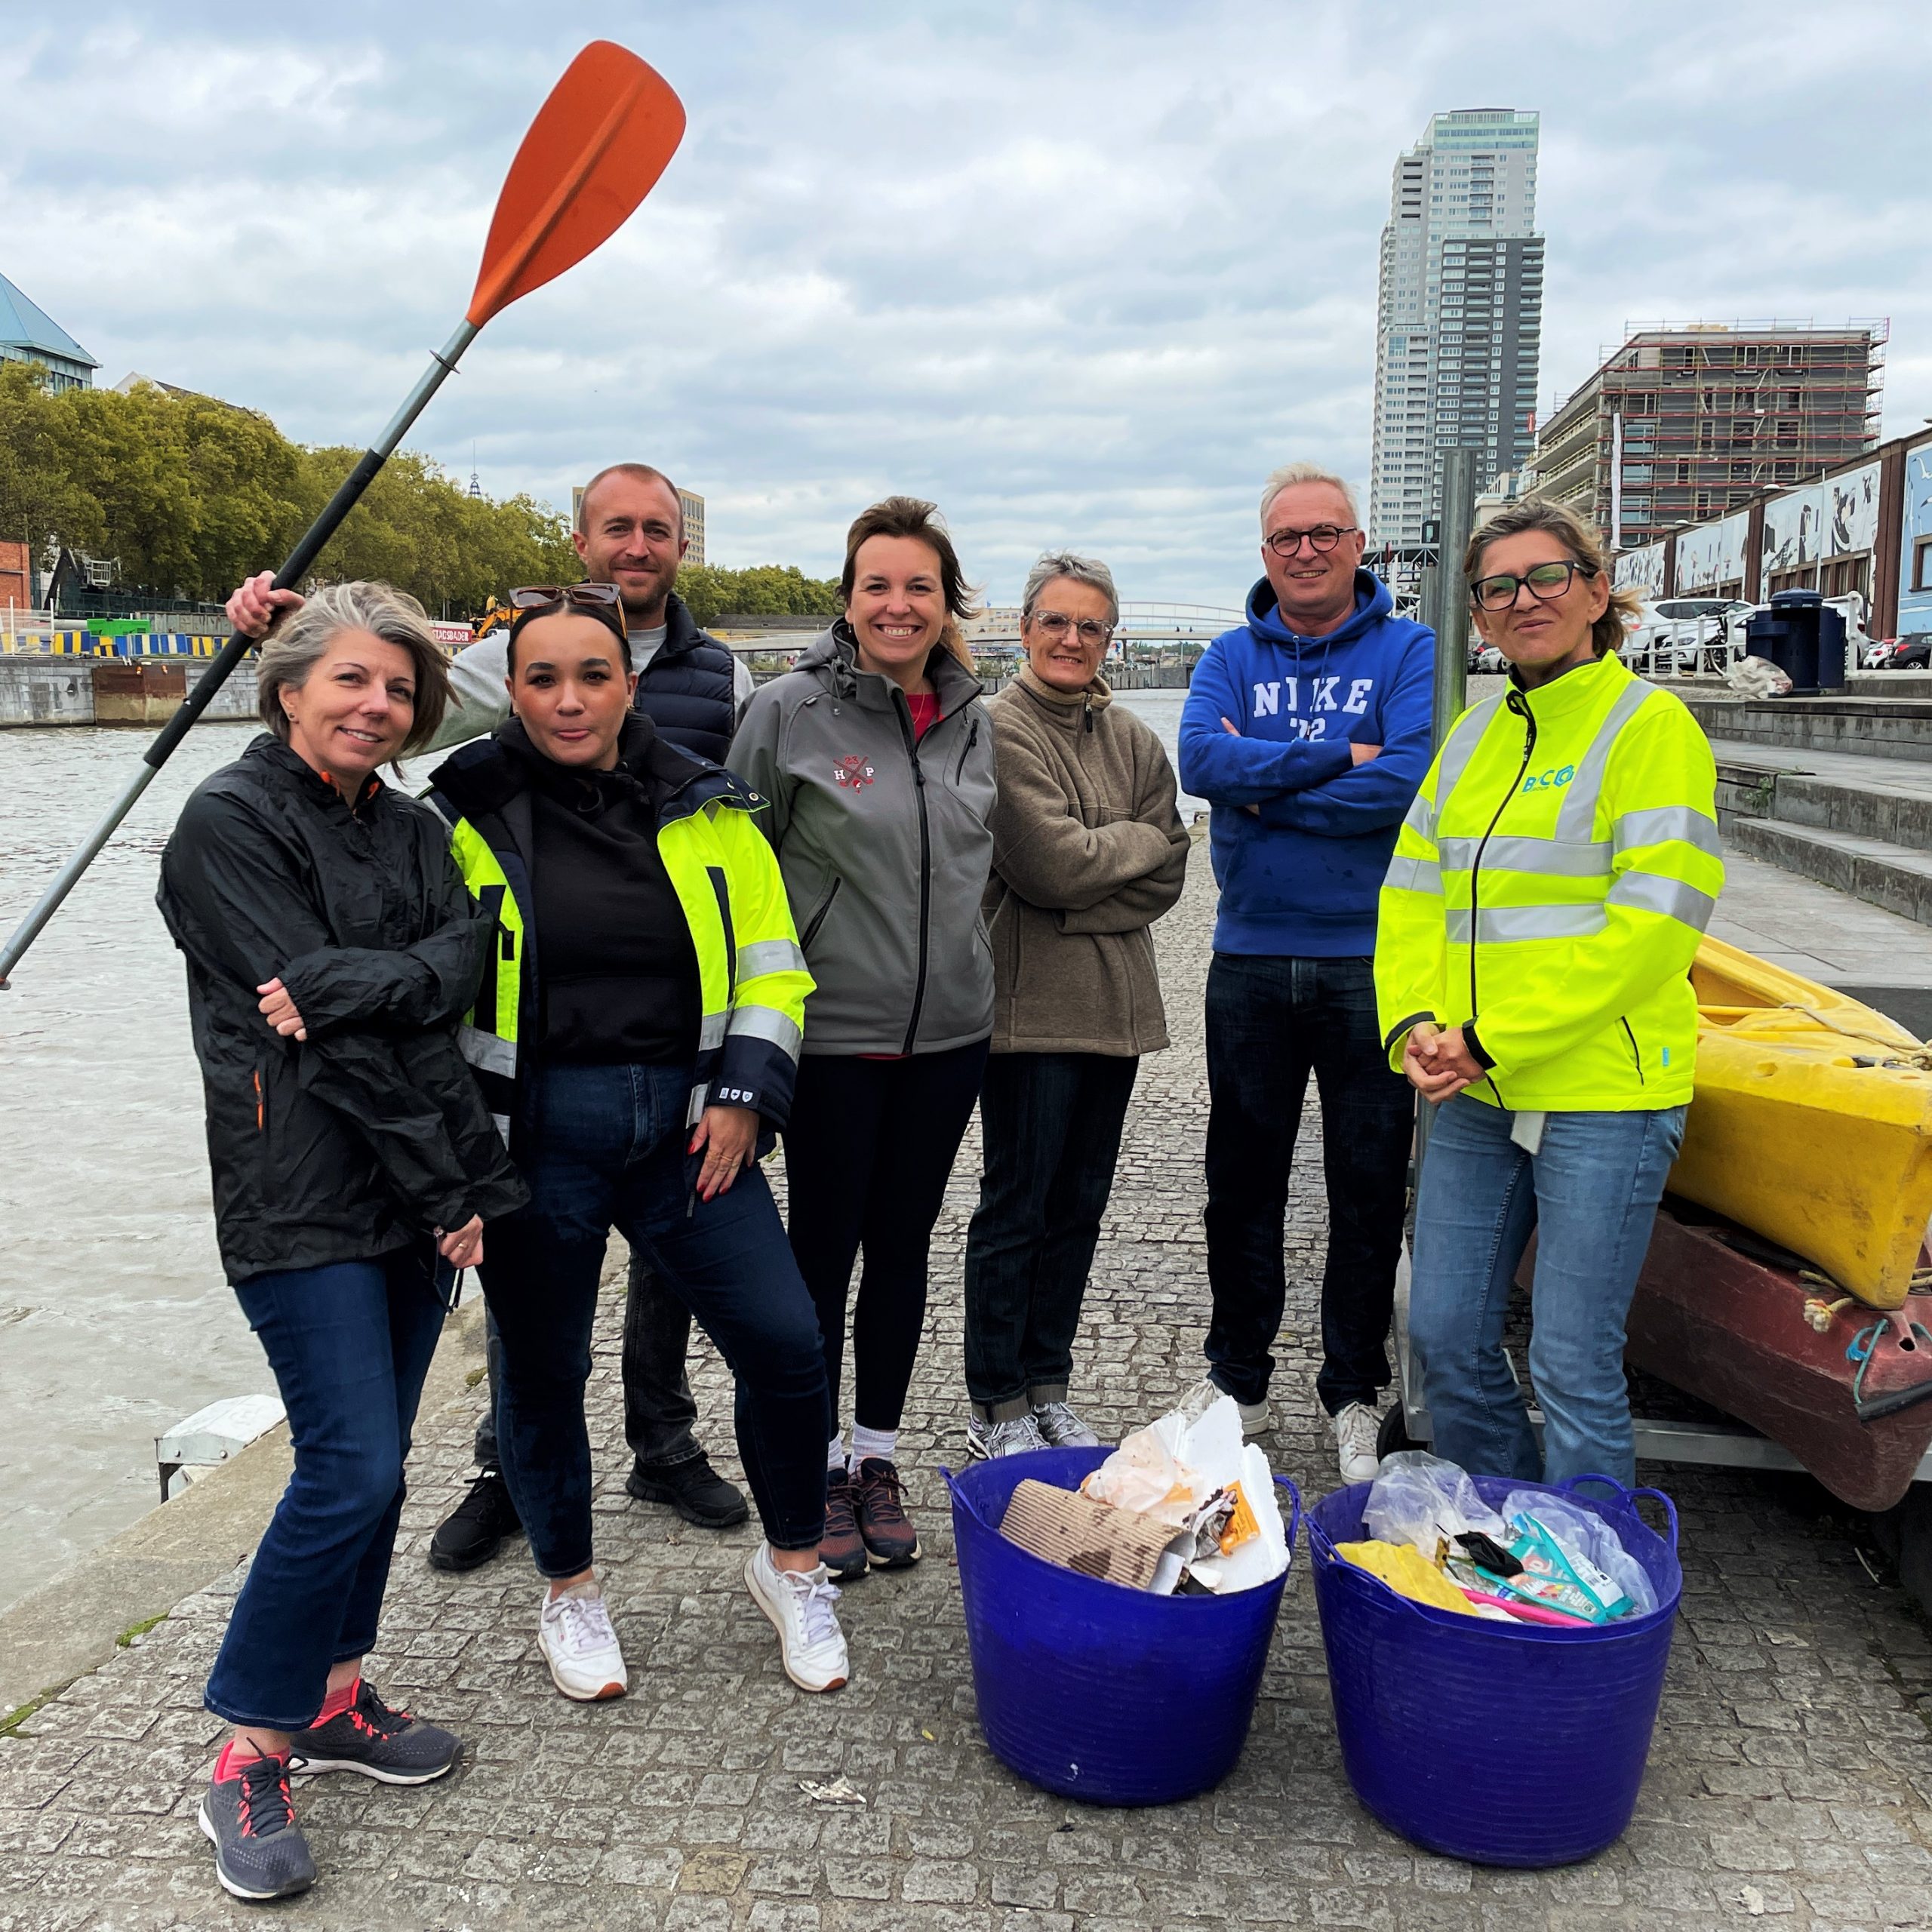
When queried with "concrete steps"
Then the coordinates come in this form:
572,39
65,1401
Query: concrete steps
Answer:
1861,824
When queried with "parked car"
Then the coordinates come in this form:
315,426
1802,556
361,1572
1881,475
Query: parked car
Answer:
1912,653
1880,655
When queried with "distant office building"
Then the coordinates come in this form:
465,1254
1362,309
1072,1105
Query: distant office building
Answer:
1690,419
1459,312
690,507
29,334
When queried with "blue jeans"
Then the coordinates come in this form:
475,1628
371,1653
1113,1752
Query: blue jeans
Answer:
1270,1022
604,1147
1051,1126
1591,1193
350,1344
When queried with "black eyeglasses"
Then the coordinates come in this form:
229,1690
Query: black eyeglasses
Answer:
1056,623
1321,539
1547,583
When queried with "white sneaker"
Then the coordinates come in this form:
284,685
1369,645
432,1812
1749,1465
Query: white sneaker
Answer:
575,1634
1060,1428
799,1603
1356,1427
1013,1437
1257,1419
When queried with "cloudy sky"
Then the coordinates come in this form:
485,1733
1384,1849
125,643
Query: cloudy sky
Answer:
1081,273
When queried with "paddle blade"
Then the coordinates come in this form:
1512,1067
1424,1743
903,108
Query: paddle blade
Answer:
596,149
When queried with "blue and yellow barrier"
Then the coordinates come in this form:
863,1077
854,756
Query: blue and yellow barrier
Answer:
84,644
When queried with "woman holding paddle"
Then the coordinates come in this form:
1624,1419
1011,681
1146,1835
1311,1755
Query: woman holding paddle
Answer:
331,950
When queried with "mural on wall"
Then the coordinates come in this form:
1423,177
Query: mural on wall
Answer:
1713,554
1914,606
1642,570
1792,524
1851,512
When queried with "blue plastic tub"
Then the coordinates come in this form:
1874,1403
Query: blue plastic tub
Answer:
1504,1744
1091,1690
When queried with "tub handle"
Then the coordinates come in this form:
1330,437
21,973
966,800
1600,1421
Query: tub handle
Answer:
1628,1497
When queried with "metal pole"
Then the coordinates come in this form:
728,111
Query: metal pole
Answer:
1452,630
1450,598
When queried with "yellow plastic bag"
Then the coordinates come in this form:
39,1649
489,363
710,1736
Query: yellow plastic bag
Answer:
1405,1569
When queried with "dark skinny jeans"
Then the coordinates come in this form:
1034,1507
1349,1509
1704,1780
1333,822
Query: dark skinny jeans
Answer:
350,1344
1270,1021
1050,1123
868,1151
604,1147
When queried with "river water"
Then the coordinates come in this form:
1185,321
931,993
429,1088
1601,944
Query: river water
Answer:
115,1319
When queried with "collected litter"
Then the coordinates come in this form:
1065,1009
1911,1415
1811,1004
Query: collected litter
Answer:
1182,1506
1538,1559
837,1792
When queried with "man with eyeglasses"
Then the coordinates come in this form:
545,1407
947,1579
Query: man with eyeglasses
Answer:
1307,729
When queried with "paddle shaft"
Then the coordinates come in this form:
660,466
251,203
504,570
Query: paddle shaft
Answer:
238,646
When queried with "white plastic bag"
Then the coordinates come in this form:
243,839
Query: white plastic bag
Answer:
1758,677
1584,1530
1423,1501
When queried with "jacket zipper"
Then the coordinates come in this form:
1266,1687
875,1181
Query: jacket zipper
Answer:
925,863
261,1112
972,739
1475,866
1634,1055
819,914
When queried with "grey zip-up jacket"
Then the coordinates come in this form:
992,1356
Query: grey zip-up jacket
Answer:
885,843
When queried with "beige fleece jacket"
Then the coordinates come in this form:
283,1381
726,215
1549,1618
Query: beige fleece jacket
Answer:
1088,851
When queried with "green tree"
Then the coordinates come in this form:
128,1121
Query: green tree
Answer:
763,590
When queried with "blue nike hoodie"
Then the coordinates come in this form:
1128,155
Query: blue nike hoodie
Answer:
1302,875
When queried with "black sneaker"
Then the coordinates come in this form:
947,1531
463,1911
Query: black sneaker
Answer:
391,1746
891,1542
259,1852
693,1488
474,1530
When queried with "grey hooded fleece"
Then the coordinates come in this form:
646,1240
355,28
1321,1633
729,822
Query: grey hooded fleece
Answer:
885,843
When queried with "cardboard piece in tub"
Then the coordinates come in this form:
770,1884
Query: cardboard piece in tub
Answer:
1064,1527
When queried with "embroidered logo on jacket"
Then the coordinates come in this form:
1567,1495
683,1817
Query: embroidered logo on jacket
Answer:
856,771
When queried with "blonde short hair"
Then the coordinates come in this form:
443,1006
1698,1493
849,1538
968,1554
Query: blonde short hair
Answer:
1290,473
1579,538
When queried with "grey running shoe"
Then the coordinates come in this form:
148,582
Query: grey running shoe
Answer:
388,1745
259,1852
992,1440
1061,1429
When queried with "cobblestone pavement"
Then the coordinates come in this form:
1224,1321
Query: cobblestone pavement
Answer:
1792,1777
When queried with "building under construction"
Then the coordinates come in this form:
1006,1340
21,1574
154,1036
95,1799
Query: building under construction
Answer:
1689,419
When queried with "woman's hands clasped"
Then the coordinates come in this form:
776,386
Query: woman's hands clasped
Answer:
1439,1063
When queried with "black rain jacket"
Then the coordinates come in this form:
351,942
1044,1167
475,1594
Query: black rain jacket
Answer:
371,1132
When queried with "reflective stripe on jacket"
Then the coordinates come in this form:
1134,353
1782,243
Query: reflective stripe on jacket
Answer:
752,973
1548,890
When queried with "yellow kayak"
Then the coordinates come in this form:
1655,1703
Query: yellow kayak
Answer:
1812,1123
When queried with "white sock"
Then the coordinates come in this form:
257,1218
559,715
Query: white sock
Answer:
882,1443
834,1452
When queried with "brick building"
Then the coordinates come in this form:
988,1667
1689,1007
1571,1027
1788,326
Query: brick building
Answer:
1688,421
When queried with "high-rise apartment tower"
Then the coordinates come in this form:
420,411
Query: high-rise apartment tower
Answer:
1459,315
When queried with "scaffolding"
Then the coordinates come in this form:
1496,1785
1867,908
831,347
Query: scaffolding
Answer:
1685,421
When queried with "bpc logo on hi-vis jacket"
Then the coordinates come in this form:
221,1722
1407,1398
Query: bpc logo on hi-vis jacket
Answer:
1549,781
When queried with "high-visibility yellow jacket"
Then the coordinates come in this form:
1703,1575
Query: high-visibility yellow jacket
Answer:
1548,889
752,973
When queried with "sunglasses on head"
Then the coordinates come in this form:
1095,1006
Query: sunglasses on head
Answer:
585,596
600,601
